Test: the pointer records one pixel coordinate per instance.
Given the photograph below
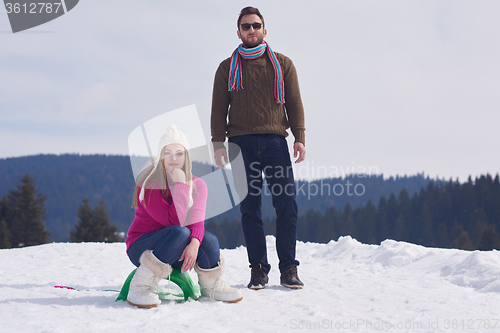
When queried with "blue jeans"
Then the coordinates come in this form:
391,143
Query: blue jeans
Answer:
169,243
268,154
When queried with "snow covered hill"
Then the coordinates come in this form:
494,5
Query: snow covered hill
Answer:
349,286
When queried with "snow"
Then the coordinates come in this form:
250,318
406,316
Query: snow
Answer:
349,286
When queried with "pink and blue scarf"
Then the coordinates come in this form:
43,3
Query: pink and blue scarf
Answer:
235,78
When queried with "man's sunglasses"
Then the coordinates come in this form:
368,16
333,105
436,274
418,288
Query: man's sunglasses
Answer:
246,26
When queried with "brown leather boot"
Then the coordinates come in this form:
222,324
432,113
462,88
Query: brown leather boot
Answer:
290,279
258,279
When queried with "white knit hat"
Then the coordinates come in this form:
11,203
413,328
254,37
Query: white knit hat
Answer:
172,135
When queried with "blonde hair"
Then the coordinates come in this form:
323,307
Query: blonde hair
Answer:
160,175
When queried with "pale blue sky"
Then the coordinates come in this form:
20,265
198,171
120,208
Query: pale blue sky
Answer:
398,86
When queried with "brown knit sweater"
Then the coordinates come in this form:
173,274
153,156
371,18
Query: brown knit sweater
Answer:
253,109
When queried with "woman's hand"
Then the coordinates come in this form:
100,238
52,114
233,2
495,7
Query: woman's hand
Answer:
189,255
177,175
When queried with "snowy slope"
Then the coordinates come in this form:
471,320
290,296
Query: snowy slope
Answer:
393,287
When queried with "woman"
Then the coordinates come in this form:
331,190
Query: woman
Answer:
168,228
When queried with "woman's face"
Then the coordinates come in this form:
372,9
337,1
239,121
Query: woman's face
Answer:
174,156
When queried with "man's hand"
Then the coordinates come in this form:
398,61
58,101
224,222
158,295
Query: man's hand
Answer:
219,153
298,148
189,255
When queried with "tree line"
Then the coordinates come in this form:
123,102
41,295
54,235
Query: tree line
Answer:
448,215
23,214
445,214
67,179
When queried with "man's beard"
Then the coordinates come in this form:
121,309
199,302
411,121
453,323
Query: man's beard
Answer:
249,45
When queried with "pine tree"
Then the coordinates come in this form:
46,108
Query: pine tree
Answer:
82,231
392,215
350,222
93,225
382,220
369,222
107,232
464,242
404,204
478,221
214,227
4,209
27,214
442,236
326,229
402,226
220,231
240,238
489,239
426,226
4,235
308,230
399,232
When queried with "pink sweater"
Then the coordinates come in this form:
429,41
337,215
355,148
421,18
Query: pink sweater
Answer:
159,213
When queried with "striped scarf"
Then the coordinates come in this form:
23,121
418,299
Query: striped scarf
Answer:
235,78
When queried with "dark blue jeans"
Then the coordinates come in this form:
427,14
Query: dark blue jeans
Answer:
268,154
169,243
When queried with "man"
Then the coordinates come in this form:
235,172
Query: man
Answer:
250,88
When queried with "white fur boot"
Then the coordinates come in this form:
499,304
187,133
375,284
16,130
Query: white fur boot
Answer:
146,279
212,285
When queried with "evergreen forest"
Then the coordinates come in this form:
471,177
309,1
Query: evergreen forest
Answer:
446,215
370,208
